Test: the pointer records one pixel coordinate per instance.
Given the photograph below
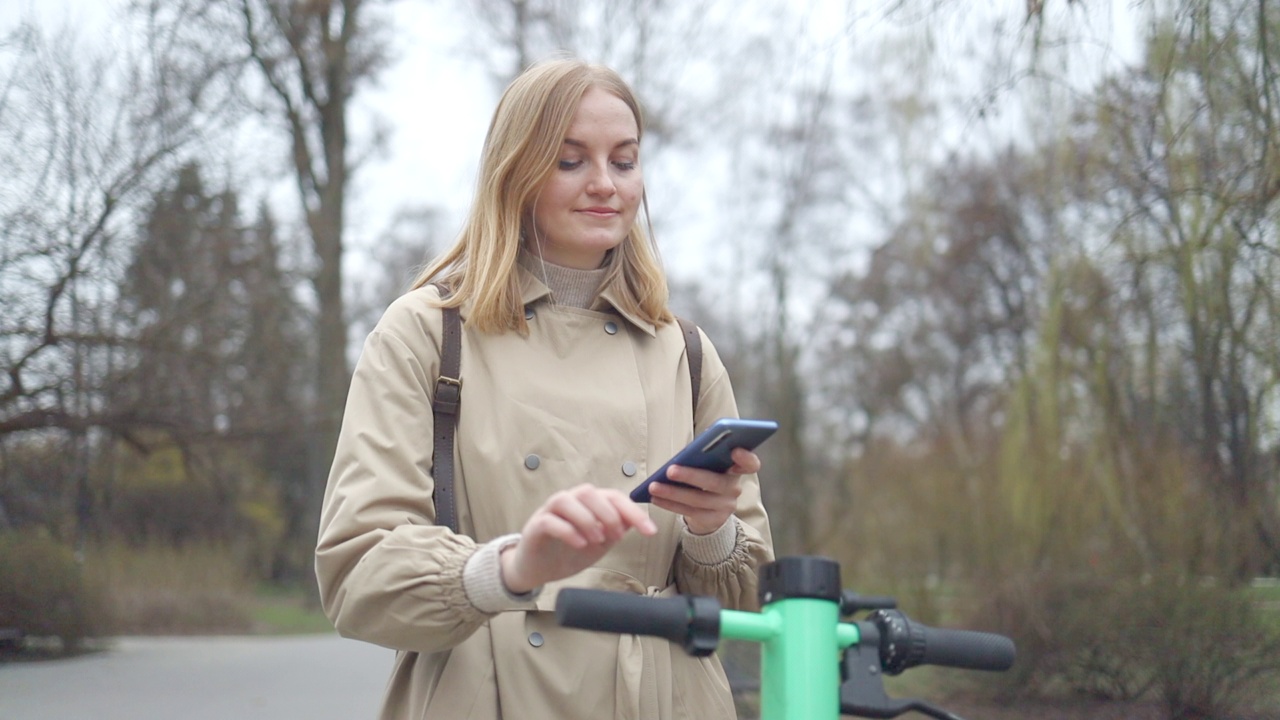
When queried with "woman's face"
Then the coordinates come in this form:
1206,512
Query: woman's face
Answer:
588,204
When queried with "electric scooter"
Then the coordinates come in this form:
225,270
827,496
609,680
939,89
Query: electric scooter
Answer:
812,666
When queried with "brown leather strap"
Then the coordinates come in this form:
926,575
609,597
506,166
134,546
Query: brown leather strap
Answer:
444,409
693,348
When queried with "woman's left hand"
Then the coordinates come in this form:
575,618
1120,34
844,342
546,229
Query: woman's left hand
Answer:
713,496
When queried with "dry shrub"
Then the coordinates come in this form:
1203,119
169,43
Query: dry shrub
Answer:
1198,648
1209,648
159,589
44,593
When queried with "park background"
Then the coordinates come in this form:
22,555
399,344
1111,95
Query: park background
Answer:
1007,274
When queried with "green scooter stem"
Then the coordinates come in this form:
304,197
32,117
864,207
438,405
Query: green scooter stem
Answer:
813,667
801,640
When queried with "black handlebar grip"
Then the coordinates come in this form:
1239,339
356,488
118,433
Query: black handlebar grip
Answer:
904,644
967,649
625,613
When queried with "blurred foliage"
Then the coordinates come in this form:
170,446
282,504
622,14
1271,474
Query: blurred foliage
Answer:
1203,650
38,485
46,593
204,494
158,588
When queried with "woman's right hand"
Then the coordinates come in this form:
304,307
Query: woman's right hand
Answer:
569,533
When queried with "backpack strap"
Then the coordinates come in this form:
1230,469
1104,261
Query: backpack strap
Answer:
444,410
693,348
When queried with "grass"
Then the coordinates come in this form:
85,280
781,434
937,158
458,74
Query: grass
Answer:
287,611
1266,593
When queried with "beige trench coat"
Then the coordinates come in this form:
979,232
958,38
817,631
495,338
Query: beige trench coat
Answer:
596,397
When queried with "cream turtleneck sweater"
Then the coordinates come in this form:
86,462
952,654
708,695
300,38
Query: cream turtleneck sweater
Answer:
570,287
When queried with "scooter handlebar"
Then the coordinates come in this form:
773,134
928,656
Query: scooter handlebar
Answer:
905,644
624,613
691,621
694,623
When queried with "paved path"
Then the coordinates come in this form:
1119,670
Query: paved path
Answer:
310,677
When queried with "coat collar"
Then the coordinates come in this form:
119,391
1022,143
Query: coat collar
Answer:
533,290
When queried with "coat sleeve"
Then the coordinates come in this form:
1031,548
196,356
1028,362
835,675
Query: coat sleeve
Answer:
734,581
387,574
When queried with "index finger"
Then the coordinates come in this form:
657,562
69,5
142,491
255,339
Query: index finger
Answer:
632,514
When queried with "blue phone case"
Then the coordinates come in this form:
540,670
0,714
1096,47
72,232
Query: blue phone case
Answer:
711,449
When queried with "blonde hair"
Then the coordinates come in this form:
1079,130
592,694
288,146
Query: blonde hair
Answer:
520,152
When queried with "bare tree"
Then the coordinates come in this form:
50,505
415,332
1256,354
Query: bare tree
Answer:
414,235
312,57
938,323
1189,147
1118,285
673,53
85,133
298,64
87,129
794,205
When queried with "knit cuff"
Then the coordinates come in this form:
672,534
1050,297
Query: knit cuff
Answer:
482,579
713,548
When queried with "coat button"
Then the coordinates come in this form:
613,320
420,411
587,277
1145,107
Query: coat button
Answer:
532,462
628,468
528,313
535,639
611,327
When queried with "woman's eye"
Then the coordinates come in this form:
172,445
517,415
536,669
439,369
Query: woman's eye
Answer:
625,164
569,164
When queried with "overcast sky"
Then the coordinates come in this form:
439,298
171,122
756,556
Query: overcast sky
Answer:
437,101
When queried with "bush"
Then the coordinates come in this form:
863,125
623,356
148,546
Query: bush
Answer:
162,589
44,593
1194,646
1208,648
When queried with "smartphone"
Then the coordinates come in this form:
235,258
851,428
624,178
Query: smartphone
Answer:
711,449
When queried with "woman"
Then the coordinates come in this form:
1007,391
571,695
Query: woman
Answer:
575,382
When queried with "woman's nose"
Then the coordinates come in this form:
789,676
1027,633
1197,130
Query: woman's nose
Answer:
601,183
